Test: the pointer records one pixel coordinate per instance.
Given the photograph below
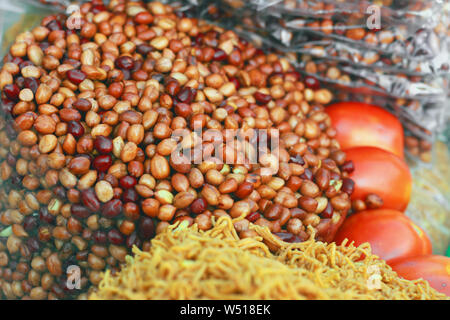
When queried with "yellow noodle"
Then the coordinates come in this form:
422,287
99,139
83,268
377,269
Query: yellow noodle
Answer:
185,263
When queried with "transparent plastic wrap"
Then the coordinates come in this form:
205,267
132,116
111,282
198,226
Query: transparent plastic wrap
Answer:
413,60
417,37
391,9
19,16
376,81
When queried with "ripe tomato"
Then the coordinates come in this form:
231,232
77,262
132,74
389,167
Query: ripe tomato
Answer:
391,234
433,268
360,124
381,172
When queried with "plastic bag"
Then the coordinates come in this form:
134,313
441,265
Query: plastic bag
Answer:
18,16
415,34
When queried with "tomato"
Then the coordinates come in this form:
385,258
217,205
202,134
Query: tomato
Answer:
391,234
433,268
381,172
360,124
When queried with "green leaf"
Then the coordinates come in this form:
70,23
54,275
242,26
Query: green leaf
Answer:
6,232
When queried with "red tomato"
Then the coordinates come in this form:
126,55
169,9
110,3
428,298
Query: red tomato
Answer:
433,268
391,234
381,172
360,124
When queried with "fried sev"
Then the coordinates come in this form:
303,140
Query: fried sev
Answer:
186,263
